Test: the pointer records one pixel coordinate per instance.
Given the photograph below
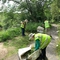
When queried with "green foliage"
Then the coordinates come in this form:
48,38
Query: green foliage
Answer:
11,20
33,10
32,26
9,33
23,16
55,10
58,3
36,10
3,36
46,8
14,31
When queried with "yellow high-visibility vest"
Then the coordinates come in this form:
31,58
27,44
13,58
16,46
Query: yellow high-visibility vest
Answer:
46,24
22,25
44,39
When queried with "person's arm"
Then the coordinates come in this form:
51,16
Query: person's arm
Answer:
37,44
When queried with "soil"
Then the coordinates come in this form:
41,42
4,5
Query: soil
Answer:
3,51
51,53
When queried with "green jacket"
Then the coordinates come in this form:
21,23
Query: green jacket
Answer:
44,39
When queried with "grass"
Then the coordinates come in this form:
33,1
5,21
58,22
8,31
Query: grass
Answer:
15,44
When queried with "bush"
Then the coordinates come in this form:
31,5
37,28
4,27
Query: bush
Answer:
4,35
9,33
32,26
14,32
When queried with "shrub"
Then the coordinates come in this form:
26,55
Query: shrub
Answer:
14,32
9,33
32,26
4,36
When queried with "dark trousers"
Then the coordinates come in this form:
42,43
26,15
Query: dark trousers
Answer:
42,55
23,31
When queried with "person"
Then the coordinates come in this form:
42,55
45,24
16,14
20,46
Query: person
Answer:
22,28
46,23
25,22
41,42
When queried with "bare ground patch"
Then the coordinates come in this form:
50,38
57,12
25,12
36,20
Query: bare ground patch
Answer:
3,51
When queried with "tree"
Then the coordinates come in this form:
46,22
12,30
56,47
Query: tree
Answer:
35,10
55,10
47,8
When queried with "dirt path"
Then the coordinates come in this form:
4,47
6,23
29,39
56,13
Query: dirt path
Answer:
51,54
3,51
